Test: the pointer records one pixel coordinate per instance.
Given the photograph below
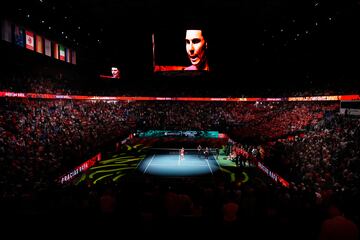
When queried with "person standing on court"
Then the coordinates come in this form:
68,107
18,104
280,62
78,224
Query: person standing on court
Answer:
199,148
182,153
206,153
217,153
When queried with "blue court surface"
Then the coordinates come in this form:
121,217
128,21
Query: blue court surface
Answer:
168,162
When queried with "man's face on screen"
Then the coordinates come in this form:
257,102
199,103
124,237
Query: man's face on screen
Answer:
196,47
115,72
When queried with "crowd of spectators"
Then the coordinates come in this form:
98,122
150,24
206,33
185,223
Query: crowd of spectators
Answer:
54,132
324,159
42,138
317,152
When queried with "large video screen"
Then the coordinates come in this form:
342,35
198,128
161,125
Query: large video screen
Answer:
180,50
113,72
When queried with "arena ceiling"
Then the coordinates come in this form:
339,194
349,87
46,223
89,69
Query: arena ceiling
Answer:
275,37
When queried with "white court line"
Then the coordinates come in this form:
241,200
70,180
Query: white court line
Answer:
137,166
149,163
216,159
207,161
186,165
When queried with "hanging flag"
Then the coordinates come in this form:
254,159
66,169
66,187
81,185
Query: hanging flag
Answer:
62,52
47,47
19,36
68,55
73,57
29,40
39,44
56,50
6,30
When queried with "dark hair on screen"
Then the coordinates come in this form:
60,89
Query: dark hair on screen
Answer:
198,24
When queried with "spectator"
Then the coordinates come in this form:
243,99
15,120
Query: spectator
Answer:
337,226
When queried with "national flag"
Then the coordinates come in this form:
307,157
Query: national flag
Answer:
68,55
47,47
56,50
73,57
6,30
19,36
62,52
39,44
29,40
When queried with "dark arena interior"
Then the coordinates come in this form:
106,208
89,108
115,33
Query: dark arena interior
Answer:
180,119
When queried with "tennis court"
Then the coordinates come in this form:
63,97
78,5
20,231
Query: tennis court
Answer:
167,162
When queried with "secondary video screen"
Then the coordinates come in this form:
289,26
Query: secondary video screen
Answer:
180,50
113,72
